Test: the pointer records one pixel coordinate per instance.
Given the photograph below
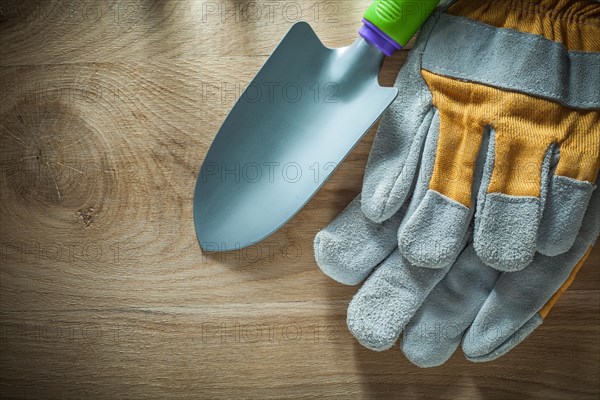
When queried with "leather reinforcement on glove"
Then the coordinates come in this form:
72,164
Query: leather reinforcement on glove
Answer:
485,163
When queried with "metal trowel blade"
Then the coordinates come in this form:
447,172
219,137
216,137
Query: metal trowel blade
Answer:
305,110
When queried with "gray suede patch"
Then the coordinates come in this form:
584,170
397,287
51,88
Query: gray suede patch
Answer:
516,338
435,233
507,231
393,163
437,329
352,245
513,60
563,214
388,300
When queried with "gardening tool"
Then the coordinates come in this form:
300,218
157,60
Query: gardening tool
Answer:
296,121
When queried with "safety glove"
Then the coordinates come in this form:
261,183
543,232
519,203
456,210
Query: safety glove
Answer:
499,117
524,74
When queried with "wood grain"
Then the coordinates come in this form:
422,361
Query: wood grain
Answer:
107,110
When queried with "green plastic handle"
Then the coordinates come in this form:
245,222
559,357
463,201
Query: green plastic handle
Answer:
400,19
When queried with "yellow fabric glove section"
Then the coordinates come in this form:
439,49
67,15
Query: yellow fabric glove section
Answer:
574,23
526,127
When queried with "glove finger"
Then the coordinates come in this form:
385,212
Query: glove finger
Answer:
393,162
511,342
392,165
515,303
571,185
437,230
520,300
388,300
437,329
507,225
564,210
352,245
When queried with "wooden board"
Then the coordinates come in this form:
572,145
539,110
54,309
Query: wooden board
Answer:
107,110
